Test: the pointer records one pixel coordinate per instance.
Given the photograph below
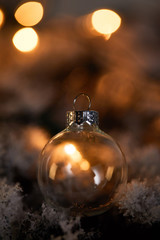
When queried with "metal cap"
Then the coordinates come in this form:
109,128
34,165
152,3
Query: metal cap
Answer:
79,117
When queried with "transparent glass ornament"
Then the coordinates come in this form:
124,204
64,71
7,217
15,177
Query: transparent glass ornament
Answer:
81,168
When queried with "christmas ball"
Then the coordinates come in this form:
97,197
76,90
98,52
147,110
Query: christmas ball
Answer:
81,168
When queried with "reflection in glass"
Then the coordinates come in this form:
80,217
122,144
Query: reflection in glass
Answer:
81,169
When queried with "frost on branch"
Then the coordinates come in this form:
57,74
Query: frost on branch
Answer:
141,201
70,227
11,210
48,223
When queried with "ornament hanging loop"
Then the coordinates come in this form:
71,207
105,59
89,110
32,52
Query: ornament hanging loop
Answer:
85,95
81,116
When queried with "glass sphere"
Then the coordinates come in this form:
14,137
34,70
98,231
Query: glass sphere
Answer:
80,170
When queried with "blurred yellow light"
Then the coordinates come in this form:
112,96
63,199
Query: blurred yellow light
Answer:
29,13
37,137
1,17
76,156
85,165
105,21
69,149
25,40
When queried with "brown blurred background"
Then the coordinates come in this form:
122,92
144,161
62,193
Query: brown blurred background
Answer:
121,74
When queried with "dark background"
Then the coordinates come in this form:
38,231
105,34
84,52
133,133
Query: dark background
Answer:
121,76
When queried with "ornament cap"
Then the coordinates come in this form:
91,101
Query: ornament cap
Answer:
79,117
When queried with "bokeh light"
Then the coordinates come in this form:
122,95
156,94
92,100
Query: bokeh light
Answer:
36,137
25,39
1,17
105,21
29,13
69,149
85,165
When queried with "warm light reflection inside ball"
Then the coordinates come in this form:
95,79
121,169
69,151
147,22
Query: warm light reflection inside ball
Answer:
69,149
81,171
29,13
85,165
25,40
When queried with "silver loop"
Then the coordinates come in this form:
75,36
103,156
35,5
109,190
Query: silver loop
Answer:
82,94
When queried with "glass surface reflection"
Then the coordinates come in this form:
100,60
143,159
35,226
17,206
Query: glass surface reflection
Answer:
81,169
